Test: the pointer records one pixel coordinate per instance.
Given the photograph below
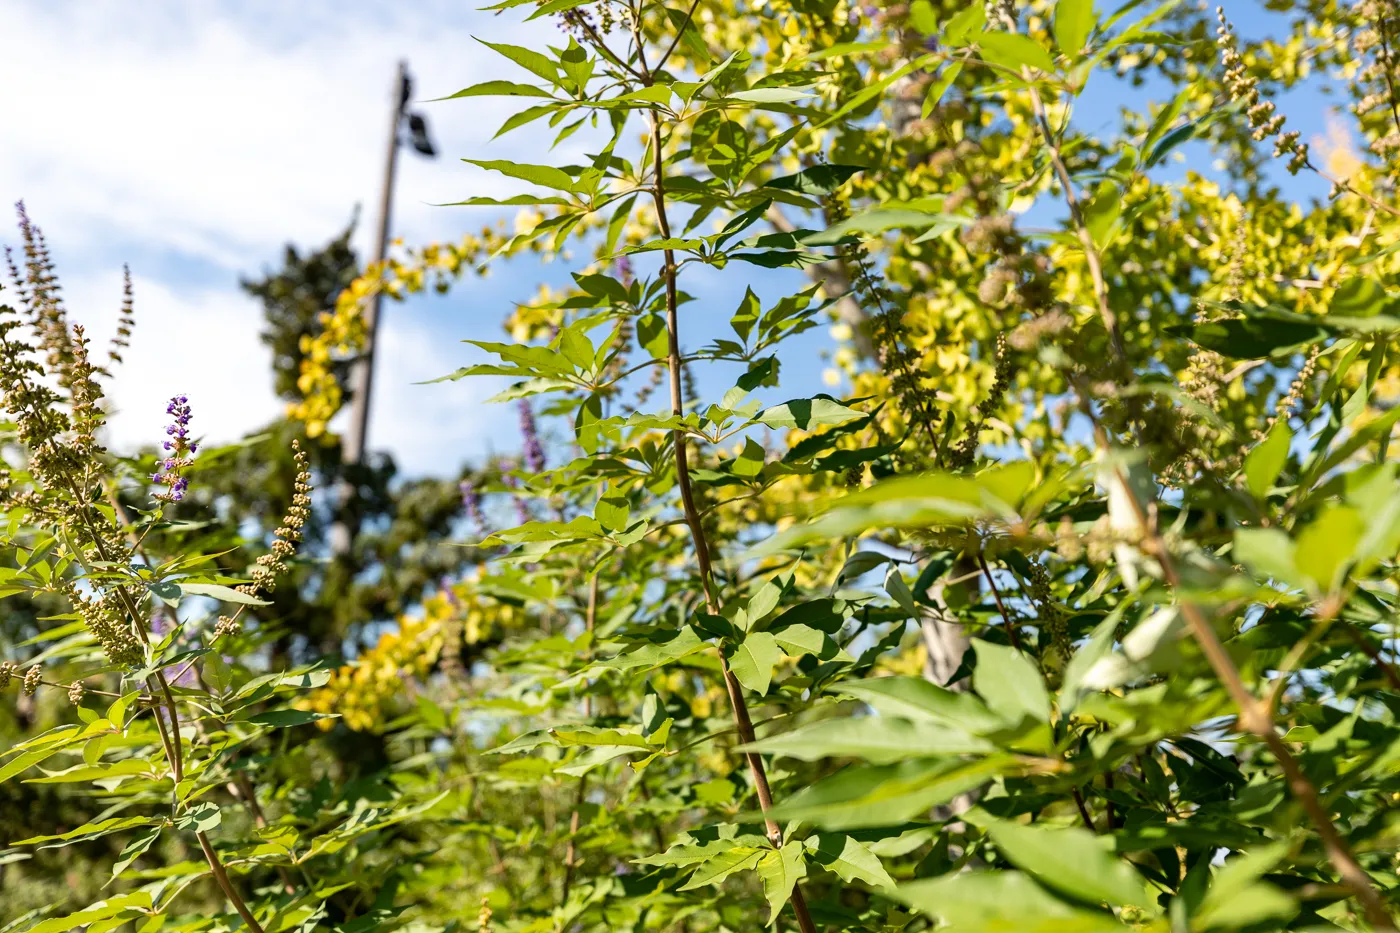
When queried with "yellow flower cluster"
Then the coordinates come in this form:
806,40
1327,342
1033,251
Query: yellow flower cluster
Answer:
361,692
343,330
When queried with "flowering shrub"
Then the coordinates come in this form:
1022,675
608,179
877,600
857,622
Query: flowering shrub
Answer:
1073,610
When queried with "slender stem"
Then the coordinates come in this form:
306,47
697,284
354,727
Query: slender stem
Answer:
571,853
1076,213
697,529
996,595
1386,667
1083,810
1254,715
685,24
222,879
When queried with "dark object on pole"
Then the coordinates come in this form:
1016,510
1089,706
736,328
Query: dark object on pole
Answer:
418,135
362,370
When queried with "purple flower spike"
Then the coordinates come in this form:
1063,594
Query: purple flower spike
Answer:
471,501
170,474
533,452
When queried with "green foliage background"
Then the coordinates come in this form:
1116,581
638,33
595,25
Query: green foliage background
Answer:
1074,611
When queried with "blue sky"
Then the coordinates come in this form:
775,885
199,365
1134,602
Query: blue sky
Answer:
193,138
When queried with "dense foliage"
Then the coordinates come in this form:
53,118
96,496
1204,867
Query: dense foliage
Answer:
1074,610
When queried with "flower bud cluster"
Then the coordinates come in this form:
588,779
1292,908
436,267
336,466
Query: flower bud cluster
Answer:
102,614
1244,87
1376,84
272,565
901,363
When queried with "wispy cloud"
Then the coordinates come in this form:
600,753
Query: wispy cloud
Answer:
194,139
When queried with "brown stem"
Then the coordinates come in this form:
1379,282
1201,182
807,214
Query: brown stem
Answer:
996,595
1108,803
571,853
1254,715
697,530
1386,667
222,878
1083,810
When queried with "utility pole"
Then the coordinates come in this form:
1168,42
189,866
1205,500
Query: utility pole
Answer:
362,369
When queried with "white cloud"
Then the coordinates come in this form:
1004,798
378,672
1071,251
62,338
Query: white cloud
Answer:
194,138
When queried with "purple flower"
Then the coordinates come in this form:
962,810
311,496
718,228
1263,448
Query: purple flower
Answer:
471,501
181,448
534,450
624,269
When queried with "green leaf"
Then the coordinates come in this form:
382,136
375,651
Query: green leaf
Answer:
749,463
498,89
1102,213
91,830
1010,683
1000,901
576,347
915,698
515,121
887,795
544,175
528,59
770,95
1073,861
688,854
849,859
754,659
817,180
922,17
612,512
1358,297
22,763
1073,21
1014,51
965,25
283,718
1268,551
657,654
807,413
555,6
747,315
880,220
877,739
134,850
201,818
739,858
1251,338
899,591
1325,545
1238,898
225,594
101,910
1264,463
779,871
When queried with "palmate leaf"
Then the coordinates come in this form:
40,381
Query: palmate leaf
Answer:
877,739
807,413
130,906
90,831
1072,861
887,795
850,859
1001,900
546,176
498,89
